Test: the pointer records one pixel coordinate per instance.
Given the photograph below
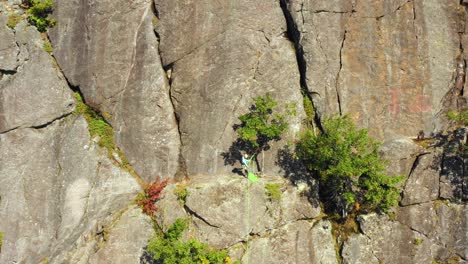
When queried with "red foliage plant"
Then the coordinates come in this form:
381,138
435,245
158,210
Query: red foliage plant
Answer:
152,193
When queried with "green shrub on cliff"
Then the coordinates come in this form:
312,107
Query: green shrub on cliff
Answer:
460,118
39,11
168,248
348,166
263,124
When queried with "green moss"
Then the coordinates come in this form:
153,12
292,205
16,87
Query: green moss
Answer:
96,124
273,191
47,47
309,110
155,22
98,127
181,192
13,20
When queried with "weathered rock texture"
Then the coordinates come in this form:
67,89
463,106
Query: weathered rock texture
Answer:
109,51
29,80
221,55
388,64
233,213
423,234
56,188
172,77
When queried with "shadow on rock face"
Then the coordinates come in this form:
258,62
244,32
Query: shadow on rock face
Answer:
147,258
296,172
455,165
234,154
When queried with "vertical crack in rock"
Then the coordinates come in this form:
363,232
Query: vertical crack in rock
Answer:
337,79
294,36
461,63
181,171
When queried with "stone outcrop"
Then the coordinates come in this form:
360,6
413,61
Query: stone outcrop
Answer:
234,213
388,64
221,55
298,242
57,187
29,80
109,51
426,233
423,182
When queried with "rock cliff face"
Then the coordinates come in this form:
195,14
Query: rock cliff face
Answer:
172,77
388,64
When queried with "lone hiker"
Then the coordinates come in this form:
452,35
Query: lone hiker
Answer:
246,166
246,163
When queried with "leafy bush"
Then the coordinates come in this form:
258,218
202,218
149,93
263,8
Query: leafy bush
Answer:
151,194
39,11
1,241
273,191
13,20
168,248
348,166
459,117
261,125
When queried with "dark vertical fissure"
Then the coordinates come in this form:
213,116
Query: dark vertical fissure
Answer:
181,168
294,36
337,79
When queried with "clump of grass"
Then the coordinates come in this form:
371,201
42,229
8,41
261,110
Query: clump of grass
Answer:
181,192
417,241
461,117
273,191
13,20
47,47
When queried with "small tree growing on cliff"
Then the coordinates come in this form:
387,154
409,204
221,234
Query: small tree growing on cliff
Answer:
348,166
262,125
